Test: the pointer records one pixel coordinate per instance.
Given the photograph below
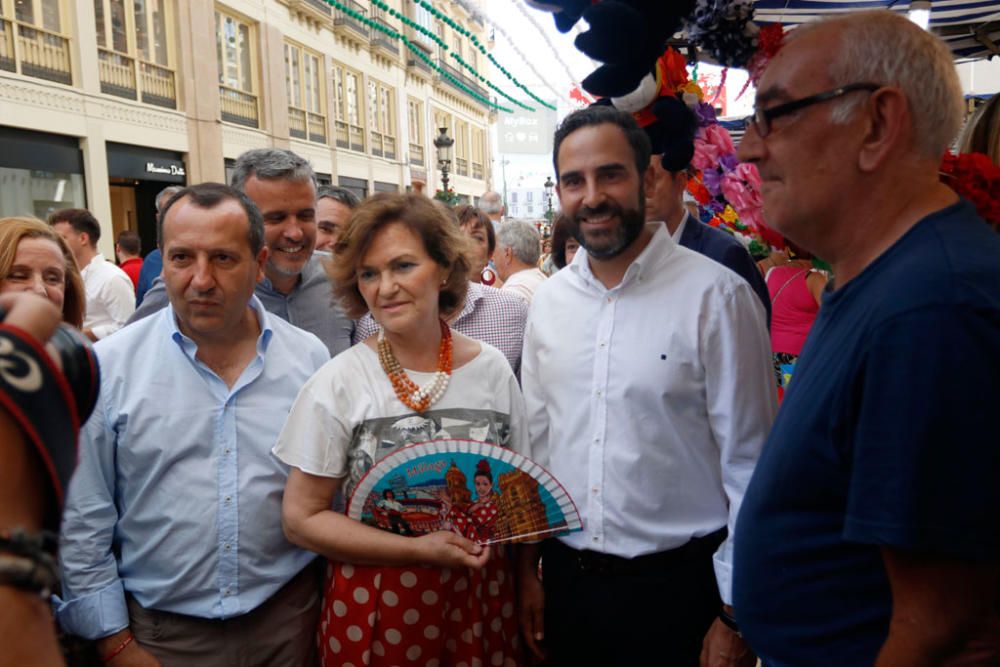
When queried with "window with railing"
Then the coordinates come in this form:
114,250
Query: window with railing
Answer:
381,120
348,108
134,50
33,43
415,125
423,18
461,148
306,106
478,152
236,55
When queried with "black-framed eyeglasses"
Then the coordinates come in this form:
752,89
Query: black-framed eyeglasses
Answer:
762,118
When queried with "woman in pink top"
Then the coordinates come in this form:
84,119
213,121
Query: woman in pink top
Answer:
795,288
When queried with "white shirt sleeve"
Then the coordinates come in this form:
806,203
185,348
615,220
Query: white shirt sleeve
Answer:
536,446
118,296
314,439
741,401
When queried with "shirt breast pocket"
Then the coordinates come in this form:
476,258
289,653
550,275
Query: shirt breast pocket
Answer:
664,371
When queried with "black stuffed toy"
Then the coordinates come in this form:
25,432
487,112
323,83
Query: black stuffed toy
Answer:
626,36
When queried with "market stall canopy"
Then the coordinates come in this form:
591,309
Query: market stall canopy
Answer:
971,28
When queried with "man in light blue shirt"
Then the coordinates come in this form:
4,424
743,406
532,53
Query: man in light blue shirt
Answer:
172,545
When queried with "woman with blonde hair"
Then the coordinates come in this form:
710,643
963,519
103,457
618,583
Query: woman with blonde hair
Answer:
34,258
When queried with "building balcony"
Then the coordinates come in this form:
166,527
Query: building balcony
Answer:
157,85
461,166
304,124
383,145
345,24
350,136
416,155
468,82
149,83
379,39
239,107
34,52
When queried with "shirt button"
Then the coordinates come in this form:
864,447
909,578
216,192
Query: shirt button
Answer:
603,344
596,539
228,450
229,499
595,490
599,392
228,547
610,299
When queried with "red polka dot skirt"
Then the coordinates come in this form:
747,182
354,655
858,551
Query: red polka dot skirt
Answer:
431,617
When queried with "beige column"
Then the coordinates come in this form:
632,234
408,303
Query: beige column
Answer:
331,115
273,95
198,84
95,166
83,46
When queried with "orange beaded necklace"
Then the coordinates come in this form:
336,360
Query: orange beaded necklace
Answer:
412,396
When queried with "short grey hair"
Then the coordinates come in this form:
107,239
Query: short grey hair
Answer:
165,194
271,164
522,238
338,194
490,203
886,48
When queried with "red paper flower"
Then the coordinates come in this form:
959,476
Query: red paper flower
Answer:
974,177
674,70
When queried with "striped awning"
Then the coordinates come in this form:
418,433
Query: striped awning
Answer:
970,27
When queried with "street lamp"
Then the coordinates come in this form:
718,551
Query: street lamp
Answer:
443,143
548,185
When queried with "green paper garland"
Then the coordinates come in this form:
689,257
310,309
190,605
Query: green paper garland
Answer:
434,12
416,50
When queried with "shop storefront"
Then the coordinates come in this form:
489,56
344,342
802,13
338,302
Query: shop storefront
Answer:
137,174
39,173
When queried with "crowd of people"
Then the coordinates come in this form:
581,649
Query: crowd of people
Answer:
283,338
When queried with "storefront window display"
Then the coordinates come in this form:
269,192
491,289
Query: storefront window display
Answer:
38,193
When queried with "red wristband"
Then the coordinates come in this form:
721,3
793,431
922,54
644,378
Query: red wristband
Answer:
118,649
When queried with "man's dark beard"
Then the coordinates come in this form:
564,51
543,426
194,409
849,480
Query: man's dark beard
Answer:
632,222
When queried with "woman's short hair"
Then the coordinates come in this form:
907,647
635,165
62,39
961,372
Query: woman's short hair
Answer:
13,230
445,244
471,218
560,235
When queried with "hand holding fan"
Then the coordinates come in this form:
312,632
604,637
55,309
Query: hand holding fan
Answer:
485,492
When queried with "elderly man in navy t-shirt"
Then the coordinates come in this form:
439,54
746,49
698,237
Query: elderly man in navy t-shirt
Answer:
870,533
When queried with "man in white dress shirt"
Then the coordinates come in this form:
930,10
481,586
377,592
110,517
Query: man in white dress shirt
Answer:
649,390
110,293
516,259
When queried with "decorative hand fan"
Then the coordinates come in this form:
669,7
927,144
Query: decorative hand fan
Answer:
485,492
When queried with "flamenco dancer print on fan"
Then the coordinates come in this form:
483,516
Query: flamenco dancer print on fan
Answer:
481,491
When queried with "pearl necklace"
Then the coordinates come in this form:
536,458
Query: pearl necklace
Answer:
412,396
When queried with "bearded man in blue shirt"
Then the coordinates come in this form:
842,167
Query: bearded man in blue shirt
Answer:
172,550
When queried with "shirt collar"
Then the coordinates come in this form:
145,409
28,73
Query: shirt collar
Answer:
311,268
472,298
660,247
189,347
95,262
676,236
